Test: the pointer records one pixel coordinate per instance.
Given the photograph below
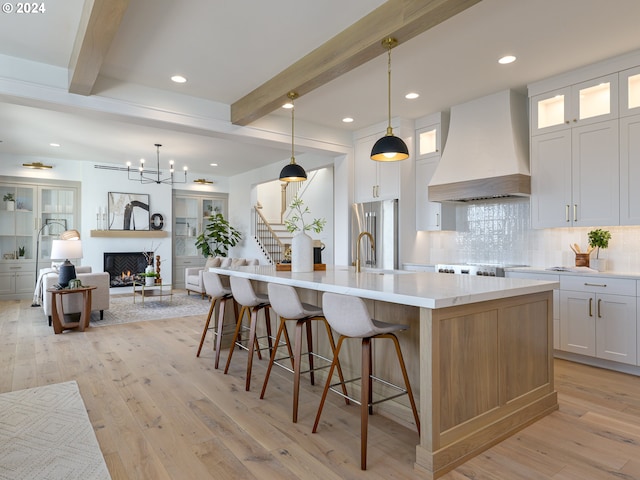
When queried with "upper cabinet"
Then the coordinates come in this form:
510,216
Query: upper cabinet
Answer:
584,103
430,134
629,81
374,180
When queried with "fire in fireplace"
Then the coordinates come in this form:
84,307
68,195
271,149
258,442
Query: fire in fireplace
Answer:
124,267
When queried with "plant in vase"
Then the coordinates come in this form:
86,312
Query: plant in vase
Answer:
11,201
148,255
149,278
598,239
217,237
21,251
302,244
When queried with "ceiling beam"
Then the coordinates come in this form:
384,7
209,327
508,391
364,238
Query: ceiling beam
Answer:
354,46
99,23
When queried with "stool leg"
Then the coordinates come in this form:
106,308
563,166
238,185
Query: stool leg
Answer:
365,398
267,320
206,325
252,340
221,309
272,359
406,379
310,350
335,356
328,384
297,359
235,338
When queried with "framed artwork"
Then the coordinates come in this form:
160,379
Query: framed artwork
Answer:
128,211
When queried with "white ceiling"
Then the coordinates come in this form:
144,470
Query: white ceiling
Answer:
228,48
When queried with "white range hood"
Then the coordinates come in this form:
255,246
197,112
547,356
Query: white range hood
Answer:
486,154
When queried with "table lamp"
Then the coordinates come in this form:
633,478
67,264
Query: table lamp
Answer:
64,250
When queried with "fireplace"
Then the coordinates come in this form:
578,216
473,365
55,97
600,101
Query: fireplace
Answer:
124,267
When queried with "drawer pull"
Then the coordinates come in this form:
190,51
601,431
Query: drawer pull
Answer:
595,284
591,307
15,268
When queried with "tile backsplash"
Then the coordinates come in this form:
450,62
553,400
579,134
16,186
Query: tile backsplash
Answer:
499,231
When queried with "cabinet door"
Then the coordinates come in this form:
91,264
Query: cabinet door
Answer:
431,216
595,100
187,215
550,112
374,180
57,214
577,322
551,180
629,85
596,175
616,328
630,170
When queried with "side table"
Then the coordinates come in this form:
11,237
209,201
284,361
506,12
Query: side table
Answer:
57,311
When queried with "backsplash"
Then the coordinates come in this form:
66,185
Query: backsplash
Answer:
499,232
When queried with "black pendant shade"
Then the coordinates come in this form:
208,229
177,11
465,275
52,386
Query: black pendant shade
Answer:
389,149
293,173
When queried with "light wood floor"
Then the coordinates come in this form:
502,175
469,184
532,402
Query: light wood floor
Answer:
161,413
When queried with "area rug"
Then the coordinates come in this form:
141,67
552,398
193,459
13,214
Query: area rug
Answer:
123,310
45,433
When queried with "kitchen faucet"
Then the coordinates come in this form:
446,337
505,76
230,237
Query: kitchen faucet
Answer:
373,248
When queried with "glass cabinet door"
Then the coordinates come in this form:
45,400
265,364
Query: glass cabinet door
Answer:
630,92
187,226
56,215
17,225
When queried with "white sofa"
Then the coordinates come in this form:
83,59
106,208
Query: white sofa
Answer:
73,303
193,275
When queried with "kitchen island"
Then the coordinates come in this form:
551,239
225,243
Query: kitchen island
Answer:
480,349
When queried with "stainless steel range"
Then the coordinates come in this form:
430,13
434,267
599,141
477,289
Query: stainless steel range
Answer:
479,269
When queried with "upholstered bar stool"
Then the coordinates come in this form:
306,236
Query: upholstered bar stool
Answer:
286,303
220,294
349,316
252,303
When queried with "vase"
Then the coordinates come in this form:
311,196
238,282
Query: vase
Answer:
302,253
11,205
149,281
149,269
599,264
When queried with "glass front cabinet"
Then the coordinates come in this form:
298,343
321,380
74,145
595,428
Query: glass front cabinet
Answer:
190,213
31,216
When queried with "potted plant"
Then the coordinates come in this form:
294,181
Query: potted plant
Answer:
11,201
598,239
149,278
302,244
21,252
217,237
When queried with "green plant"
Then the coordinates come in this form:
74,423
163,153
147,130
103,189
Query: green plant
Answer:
598,239
217,237
21,251
8,197
291,224
148,274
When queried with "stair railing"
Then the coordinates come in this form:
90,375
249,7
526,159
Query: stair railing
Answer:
268,239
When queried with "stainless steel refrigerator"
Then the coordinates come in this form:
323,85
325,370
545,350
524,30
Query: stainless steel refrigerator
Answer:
380,219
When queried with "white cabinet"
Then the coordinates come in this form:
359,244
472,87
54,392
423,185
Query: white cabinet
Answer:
547,277
575,176
190,213
629,81
430,134
630,170
598,317
374,180
595,100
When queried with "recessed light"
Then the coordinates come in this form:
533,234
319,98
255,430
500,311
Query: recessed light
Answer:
213,164
507,59
179,79
54,144
411,96
347,119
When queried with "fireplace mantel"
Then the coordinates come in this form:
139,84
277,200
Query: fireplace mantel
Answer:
129,233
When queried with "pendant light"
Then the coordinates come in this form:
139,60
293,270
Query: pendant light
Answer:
293,172
389,148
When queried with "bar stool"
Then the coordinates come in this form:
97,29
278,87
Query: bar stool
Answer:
220,294
349,316
252,302
286,303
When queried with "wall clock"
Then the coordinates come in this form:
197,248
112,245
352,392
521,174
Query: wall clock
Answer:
157,222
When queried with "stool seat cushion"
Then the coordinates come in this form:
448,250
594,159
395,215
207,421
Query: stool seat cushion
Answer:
286,303
348,315
244,293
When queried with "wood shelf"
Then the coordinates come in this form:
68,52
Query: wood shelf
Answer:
129,233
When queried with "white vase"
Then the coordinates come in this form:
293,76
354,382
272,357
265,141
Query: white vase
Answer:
302,253
149,269
11,205
599,264
149,281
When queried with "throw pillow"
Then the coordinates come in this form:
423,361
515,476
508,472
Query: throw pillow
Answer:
213,262
226,262
238,262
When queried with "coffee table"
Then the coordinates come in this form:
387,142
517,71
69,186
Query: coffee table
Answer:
159,291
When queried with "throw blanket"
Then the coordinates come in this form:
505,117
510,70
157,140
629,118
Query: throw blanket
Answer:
37,294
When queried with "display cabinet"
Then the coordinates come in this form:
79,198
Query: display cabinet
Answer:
190,213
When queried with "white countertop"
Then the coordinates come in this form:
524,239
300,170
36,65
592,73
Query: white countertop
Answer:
419,289
590,272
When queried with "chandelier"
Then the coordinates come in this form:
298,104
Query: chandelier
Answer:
142,178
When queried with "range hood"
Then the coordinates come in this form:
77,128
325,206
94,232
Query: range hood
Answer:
486,154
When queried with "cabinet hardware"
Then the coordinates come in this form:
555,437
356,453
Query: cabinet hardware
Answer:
566,212
567,122
575,120
586,284
591,307
437,219
599,312
575,212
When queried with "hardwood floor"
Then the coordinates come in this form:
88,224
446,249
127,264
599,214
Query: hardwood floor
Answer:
161,413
